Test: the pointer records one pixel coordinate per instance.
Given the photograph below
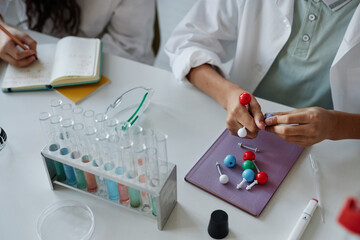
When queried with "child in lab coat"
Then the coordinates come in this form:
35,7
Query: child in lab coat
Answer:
124,26
305,54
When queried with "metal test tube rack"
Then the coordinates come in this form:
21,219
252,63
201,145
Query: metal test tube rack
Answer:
165,193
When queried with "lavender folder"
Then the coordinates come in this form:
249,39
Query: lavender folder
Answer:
276,157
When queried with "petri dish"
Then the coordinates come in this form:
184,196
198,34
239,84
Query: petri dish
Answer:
66,219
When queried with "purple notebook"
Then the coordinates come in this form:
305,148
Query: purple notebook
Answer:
276,157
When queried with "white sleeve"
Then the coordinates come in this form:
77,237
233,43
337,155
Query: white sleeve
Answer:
130,30
3,6
205,35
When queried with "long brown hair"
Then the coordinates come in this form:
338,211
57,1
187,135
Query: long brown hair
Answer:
65,15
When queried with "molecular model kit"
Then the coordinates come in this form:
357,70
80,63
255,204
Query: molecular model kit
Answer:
249,165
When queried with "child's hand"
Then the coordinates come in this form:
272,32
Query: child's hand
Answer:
303,127
238,115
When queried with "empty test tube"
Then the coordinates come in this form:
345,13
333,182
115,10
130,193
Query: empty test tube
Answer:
152,173
112,125
161,145
88,117
44,119
66,111
77,114
55,105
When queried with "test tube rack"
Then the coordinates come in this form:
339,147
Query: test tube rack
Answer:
165,193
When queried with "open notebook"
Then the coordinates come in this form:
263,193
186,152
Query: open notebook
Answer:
276,157
72,61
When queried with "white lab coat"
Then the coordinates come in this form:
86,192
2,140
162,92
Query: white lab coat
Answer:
124,26
253,32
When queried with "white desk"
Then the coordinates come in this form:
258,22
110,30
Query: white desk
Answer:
193,121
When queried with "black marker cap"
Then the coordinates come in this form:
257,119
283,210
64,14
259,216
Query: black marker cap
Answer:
218,226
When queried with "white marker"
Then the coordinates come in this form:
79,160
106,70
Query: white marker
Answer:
303,220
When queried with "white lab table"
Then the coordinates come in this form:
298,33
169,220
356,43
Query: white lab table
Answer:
193,121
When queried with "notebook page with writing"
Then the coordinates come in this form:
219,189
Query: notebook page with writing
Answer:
76,58
37,74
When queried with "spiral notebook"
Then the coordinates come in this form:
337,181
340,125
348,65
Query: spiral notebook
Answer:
276,157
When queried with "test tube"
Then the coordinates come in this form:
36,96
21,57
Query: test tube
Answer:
152,173
112,125
136,133
44,119
54,145
89,134
78,130
109,166
55,105
89,120
116,155
161,147
102,138
66,111
77,114
130,167
152,164
66,125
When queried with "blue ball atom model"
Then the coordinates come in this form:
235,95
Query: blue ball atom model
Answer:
230,160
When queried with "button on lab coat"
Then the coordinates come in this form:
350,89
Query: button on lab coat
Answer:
252,33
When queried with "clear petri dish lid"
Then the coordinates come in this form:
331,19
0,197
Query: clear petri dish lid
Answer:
66,219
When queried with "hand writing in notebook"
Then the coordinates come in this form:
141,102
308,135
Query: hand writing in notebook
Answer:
10,40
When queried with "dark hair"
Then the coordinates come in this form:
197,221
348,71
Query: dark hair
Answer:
65,15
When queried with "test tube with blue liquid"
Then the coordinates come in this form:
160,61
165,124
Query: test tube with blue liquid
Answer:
54,145
103,142
55,105
45,121
78,130
116,156
66,125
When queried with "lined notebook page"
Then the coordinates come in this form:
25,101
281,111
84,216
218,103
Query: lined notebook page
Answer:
76,57
37,74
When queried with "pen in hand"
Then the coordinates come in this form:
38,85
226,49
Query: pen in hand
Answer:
13,38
